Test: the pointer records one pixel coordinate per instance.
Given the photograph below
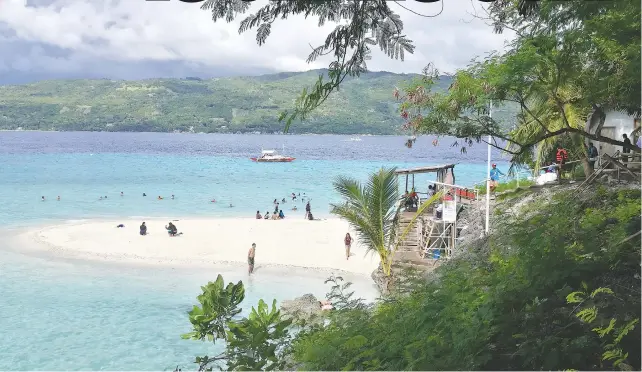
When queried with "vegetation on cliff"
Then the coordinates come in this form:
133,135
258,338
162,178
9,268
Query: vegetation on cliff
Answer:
555,286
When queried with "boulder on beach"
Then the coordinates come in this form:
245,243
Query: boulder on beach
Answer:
305,307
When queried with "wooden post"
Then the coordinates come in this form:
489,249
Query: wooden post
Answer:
406,182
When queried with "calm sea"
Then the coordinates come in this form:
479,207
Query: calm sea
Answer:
69,315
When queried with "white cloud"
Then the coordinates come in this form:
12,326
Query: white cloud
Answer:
135,30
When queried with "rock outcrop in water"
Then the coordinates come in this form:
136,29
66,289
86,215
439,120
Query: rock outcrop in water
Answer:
304,308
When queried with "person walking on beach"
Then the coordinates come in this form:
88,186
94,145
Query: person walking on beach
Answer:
348,243
250,259
307,210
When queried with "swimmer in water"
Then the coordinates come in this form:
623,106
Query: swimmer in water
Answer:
58,198
172,196
213,200
101,198
121,194
231,206
144,194
160,197
43,198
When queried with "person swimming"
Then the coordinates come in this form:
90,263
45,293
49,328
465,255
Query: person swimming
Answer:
121,194
58,198
172,196
160,197
43,198
231,206
144,194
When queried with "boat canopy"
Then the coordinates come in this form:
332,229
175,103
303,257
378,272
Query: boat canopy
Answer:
268,152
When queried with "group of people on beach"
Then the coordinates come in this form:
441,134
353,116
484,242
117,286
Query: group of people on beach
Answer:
171,229
251,253
42,198
278,214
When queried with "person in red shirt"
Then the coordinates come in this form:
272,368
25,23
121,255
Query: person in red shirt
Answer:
561,157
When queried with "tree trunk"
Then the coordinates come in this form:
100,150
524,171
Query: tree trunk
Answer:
588,170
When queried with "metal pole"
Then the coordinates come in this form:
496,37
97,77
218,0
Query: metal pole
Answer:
490,115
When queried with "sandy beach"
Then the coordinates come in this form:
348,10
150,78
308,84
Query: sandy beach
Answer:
290,242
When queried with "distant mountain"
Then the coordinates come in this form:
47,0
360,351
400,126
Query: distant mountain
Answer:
363,105
233,104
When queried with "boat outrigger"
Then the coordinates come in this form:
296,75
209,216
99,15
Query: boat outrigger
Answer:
271,156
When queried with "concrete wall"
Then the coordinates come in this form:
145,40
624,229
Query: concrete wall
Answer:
615,125
621,122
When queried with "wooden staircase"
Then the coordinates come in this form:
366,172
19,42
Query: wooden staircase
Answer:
411,241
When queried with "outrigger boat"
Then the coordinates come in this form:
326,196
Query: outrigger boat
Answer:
271,156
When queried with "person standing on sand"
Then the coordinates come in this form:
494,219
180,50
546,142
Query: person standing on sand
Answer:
348,242
307,210
250,259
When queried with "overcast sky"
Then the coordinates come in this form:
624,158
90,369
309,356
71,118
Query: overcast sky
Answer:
132,39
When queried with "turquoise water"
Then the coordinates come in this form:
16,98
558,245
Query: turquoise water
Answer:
73,315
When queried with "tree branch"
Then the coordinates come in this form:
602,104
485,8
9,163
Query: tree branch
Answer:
521,103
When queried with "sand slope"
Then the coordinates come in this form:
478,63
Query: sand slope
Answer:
297,242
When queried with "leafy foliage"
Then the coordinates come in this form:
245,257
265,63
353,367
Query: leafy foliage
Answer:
252,343
566,61
504,306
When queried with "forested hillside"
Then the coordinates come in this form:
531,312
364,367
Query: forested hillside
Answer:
235,104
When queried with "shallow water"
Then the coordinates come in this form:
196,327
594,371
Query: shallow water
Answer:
73,315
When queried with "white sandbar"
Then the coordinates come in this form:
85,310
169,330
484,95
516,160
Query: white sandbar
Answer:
292,242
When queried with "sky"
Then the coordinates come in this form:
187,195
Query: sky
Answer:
138,39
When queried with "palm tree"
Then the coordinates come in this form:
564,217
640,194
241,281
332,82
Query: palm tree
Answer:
373,212
546,115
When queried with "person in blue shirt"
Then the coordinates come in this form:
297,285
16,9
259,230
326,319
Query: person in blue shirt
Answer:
281,215
494,177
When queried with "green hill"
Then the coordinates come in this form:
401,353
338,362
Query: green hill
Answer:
235,104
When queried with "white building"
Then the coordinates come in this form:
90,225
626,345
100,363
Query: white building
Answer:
616,124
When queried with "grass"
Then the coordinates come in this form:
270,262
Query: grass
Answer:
507,186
